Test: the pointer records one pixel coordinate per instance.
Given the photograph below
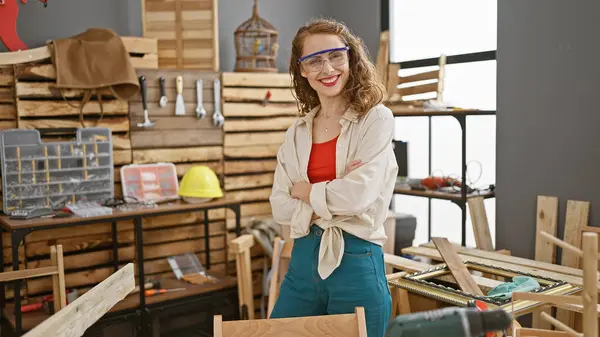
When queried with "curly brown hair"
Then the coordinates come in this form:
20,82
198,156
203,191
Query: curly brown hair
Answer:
364,88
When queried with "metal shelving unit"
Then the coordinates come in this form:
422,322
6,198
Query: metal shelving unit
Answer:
459,199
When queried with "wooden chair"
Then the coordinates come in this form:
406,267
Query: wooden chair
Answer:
57,270
342,325
282,253
240,246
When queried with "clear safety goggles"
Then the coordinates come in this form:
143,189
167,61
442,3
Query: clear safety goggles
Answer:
314,62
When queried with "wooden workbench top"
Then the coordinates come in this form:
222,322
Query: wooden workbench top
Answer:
166,208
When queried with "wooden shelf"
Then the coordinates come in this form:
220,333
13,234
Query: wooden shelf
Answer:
442,195
405,111
132,301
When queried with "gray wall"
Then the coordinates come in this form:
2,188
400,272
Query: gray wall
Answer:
37,24
547,120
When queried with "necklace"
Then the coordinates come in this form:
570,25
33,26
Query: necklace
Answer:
325,120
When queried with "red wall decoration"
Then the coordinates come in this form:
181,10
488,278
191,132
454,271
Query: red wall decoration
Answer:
9,12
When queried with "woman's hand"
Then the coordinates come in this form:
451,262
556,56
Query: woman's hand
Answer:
353,165
301,190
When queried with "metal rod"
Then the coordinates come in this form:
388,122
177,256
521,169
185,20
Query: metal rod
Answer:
463,188
139,245
115,246
207,240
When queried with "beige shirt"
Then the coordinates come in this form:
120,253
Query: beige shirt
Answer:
356,203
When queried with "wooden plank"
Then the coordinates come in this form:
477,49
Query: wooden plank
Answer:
257,94
181,233
261,194
248,181
189,96
259,151
590,287
47,90
268,80
529,332
154,110
249,166
57,108
576,218
237,109
259,124
145,62
119,141
189,78
182,168
7,94
117,124
418,89
178,123
428,75
514,260
481,227
8,111
194,154
5,125
183,138
140,45
434,254
88,308
457,267
121,157
547,219
164,250
253,138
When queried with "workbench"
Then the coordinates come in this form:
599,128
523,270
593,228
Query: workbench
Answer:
19,229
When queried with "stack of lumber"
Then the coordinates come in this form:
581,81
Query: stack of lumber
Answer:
254,131
186,30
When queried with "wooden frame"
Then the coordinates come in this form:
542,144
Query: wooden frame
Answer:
282,253
415,87
342,325
424,283
56,270
240,247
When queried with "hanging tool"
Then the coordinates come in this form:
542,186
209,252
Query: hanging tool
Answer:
218,119
180,104
152,292
147,123
163,93
200,111
449,322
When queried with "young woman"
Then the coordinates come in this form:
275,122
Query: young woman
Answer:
334,180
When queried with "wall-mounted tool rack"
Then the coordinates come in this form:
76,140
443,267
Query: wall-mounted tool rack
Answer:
38,174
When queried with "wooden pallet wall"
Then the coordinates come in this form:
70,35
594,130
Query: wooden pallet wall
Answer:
187,32
254,132
8,112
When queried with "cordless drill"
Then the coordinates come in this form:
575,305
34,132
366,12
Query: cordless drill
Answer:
449,322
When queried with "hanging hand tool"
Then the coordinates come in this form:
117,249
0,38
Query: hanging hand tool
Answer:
180,104
449,322
147,123
152,292
163,93
200,111
218,119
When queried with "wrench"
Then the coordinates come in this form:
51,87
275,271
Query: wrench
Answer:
218,119
200,111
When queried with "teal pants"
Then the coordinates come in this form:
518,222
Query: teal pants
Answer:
358,281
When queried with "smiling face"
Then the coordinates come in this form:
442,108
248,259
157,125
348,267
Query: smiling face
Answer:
327,73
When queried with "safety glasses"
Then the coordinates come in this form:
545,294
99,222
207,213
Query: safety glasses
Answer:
314,62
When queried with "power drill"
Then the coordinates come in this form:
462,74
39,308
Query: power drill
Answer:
449,322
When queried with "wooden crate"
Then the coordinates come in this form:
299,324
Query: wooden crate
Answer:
186,30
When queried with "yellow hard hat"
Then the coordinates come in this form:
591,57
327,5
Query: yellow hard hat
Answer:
200,182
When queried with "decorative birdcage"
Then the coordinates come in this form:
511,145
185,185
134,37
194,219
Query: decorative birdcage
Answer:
256,44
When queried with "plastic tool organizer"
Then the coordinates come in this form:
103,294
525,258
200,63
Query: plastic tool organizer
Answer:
37,174
150,182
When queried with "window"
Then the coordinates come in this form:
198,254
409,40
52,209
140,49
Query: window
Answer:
426,29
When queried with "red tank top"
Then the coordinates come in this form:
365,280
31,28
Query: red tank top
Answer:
321,165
